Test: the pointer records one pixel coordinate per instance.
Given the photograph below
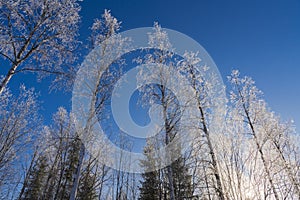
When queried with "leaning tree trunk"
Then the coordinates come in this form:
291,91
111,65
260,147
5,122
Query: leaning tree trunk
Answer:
27,174
216,173
212,155
7,78
259,147
288,169
262,156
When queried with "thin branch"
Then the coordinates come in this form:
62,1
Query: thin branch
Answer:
42,70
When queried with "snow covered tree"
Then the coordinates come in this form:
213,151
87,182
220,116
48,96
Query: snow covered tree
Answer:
161,95
38,36
57,141
268,137
112,45
237,155
104,28
18,123
174,179
209,103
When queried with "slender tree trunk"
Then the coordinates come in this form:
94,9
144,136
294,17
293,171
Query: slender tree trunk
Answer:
212,154
50,175
288,169
219,188
59,184
206,184
170,177
167,140
8,76
27,175
262,156
78,171
102,181
160,184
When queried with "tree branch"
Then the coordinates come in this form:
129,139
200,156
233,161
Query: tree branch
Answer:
41,70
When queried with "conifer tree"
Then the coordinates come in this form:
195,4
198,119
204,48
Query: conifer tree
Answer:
36,180
71,164
181,179
150,184
87,184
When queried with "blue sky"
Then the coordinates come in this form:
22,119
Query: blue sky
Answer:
260,38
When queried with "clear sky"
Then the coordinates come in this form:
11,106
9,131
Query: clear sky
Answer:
260,38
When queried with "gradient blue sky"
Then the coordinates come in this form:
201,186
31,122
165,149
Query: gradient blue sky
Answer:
260,38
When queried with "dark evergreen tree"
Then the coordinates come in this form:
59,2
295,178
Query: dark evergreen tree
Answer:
86,190
181,179
36,180
150,185
71,165
155,184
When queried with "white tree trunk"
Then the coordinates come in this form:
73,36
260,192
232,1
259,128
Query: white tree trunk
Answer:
7,77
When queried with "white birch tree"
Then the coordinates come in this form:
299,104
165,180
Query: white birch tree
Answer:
38,36
110,45
268,139
210,104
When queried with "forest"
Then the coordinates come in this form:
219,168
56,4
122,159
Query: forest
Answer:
237,148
